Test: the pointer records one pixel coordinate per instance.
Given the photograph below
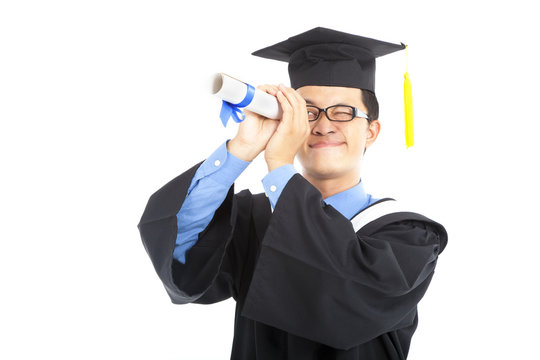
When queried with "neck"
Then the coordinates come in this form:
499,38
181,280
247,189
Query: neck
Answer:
332,186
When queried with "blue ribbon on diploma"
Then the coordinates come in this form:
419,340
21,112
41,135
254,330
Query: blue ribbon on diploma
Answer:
229,110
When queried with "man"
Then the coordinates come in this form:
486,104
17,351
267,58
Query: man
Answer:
318,268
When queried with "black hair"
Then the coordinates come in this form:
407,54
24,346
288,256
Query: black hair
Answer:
372,105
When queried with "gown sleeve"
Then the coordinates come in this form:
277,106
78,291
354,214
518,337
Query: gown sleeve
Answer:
213,265
317,278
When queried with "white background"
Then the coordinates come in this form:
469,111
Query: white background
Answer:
103,102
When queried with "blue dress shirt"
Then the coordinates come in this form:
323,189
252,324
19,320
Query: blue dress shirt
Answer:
212,181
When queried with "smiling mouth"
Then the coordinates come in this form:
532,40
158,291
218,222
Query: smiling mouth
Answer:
325,144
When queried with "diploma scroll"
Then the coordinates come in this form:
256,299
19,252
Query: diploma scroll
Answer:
234,91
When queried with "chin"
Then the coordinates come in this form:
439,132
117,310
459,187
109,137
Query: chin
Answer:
329,167
323,171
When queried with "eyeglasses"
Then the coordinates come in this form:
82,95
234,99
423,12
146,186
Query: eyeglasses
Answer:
340,113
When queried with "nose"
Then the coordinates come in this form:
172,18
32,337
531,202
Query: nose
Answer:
322,126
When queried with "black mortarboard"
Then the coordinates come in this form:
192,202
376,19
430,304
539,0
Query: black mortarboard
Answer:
327,57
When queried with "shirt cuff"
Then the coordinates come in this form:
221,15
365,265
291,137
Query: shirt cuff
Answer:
229,166
274,182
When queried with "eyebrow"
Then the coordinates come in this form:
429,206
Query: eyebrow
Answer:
309,102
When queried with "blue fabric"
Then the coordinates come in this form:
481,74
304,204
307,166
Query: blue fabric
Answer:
207,191
348,202
276,180
351,201
212,181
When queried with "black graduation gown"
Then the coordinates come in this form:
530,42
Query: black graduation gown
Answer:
306,285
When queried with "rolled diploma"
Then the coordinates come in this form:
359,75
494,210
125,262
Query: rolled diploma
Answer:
234,91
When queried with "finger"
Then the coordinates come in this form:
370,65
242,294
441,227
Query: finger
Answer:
252,115
297,103
296,99
302,110
285,106
284,101
300,99
270,89
289,94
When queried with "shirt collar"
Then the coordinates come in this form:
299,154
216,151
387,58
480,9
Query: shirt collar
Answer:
350,201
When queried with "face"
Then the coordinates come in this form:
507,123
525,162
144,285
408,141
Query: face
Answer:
334,150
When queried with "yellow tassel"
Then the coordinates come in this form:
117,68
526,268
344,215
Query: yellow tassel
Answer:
409,130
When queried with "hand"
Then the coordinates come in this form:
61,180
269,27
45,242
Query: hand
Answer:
292,131
254,132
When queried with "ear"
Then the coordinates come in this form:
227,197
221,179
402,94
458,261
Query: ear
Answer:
372,132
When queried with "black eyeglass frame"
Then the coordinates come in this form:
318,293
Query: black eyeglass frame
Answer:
356,113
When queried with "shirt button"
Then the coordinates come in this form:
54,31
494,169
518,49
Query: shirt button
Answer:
273,188
217,163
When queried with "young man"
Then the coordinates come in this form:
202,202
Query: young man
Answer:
319,269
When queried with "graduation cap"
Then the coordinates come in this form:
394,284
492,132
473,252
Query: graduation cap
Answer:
326,57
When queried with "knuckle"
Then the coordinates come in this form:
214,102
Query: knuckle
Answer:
285,105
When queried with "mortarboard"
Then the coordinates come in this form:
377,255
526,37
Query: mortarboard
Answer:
326,57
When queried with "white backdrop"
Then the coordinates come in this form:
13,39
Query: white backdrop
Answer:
103,102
